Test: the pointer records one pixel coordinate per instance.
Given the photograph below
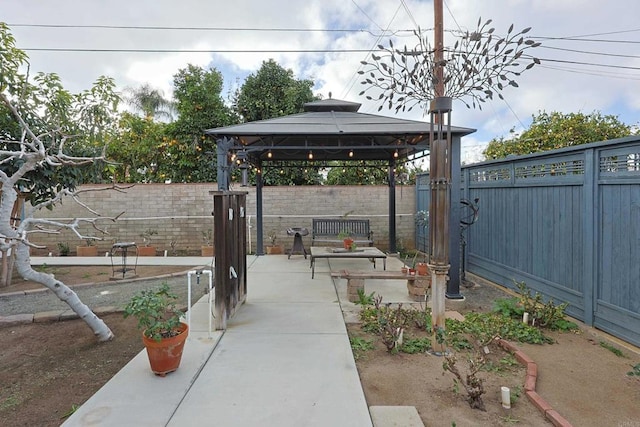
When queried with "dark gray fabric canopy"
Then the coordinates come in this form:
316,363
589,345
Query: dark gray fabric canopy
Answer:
330,129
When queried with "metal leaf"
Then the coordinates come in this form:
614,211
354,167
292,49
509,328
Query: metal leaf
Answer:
526,30
513,83
510,29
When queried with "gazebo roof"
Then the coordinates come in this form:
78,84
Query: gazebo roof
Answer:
331,129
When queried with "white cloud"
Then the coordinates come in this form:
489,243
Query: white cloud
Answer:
563,87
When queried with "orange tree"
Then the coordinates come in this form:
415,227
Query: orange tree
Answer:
549,131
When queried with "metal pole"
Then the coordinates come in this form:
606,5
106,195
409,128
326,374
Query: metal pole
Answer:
392,207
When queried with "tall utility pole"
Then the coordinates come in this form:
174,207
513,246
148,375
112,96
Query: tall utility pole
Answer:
440,186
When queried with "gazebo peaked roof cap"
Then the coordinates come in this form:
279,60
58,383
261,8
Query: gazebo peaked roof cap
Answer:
332,105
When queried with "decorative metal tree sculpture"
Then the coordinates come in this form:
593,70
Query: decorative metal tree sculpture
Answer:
478,66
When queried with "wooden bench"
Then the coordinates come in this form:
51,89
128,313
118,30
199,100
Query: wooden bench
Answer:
326,230
416,285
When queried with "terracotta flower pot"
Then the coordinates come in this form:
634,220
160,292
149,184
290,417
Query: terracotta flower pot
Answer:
165,355
87,250
147,251
348,242
275,250
207,251
422,269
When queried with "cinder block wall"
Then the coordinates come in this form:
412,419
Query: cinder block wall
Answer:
180,213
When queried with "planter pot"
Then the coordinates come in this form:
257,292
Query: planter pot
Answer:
422,269
165,355
275,250
147,251
207,251
404,270
87,250
347,243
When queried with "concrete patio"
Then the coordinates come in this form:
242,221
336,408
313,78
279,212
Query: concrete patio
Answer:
285,359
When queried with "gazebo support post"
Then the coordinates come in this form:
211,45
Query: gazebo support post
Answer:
222,151
259,221
392,207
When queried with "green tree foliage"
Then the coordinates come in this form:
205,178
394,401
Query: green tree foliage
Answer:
272,92
83,123
370,173
187,155
138,149
549,131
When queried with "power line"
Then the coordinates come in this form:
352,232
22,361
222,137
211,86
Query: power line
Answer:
171,28
589,52
106,50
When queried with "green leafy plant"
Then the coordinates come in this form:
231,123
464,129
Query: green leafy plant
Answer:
635,371
415,345
344,234
63,249
156,312
612,349
360,346
508,307
364,299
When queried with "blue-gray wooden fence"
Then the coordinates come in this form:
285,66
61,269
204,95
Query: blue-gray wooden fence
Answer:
566,222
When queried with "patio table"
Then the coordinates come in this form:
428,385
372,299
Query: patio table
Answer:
371,253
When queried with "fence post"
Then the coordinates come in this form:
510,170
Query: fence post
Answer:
590,223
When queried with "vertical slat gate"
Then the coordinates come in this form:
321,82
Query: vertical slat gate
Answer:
229,210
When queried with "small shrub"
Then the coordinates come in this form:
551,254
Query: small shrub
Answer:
364,299
473,385
546,315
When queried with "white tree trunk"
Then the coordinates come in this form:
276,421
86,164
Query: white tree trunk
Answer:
62,291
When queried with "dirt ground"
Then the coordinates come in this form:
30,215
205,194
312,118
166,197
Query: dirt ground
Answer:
585,382
44,374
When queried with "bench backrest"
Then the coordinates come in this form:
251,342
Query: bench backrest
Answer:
333,227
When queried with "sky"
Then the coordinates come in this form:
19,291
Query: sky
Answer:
589,54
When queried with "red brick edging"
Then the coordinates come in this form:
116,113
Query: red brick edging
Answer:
530,385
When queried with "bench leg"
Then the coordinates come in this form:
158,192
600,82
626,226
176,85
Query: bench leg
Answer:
353,285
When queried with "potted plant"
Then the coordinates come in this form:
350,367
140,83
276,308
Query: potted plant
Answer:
207,243
147,249
163,333
274,248
87,250
346,239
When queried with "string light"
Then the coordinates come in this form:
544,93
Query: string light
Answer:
269,154
395,154
350,153
310,155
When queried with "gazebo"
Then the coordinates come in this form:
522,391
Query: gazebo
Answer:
330,130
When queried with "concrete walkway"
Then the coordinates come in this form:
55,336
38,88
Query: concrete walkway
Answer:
285,360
